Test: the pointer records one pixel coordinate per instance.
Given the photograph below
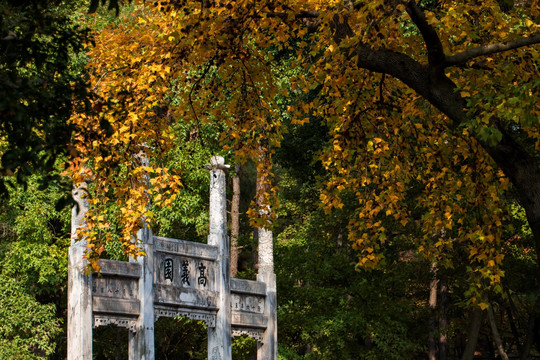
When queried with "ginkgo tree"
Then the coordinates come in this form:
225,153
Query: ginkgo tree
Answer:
415,103
142,83
432,110
412,83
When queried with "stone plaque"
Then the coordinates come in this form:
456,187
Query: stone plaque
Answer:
182,271
247,303
242,286
184,297
117,279
115,287
115,293
184,274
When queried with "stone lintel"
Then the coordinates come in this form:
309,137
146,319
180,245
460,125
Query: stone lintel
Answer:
120,268
109,305
185,248
209,317
249,320
184,297
243,286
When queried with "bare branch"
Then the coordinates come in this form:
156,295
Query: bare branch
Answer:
193,88
467,55
105,74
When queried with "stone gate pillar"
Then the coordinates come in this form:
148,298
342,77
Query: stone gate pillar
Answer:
267,349
219,337
141,342
80,320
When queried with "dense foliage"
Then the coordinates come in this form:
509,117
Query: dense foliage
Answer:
33,272
399,138
40,77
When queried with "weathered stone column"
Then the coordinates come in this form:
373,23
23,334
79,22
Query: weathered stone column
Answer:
141,343
219,337
80,319
267,349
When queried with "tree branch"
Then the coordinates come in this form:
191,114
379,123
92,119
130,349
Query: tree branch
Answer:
193,88
433,43
310,18
105,74
303,14
467,55
436,88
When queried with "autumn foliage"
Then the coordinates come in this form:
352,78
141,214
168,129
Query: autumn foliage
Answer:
128,125
419,108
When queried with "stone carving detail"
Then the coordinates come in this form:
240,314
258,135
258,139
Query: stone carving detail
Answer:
202,277
168,271
185,273
209,319
115,287
247,303
256,334
78,212
130,324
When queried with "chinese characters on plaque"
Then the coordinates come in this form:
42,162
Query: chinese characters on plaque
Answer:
202,277
185,271
168,269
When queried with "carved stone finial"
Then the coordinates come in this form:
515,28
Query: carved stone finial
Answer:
79,211
217,162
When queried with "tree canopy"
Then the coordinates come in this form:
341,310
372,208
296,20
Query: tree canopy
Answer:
430,107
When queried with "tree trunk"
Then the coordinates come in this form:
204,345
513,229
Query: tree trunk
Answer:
522,170
474,331
235,220
432,353
529,326
536,331
443,322
514,329
529,339
496,336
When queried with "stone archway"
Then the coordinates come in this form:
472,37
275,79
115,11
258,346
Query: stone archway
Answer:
176,277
